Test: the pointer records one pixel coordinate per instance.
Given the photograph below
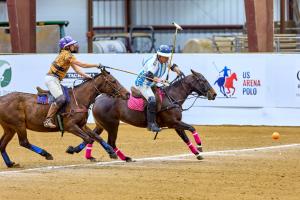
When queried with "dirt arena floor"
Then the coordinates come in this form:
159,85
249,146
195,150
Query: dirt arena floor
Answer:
249,172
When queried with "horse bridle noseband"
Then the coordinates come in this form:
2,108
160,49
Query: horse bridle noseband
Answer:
116,92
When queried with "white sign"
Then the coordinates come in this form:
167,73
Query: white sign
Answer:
253,89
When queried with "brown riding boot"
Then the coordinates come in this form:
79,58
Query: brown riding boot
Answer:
49,123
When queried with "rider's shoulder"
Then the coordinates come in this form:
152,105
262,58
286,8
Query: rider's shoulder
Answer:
149,59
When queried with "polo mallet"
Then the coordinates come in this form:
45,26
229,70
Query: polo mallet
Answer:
173,48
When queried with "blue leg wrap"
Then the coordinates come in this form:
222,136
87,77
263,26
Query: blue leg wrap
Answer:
6,158
36,149
107,147
80,147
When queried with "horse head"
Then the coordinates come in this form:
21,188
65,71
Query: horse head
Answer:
106,83
233,76
201,86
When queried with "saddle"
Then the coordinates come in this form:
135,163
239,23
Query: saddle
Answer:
45,97
138,102
136,93
41,91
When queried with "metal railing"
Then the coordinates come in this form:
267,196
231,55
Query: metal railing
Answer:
239,43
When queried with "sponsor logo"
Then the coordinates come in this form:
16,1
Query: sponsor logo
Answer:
298,84
5,76
73,78
5,73
226,82
250,84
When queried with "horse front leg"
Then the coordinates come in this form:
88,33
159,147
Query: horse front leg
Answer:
88,153
183,126
233,91
96,135
185,138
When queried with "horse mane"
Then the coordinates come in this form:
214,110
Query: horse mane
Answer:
87,80
176,82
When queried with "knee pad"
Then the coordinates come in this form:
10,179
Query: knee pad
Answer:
61,100
151,100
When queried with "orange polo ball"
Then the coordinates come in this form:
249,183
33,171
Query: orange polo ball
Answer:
275,135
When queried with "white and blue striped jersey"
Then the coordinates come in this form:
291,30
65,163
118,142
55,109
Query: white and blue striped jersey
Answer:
153,65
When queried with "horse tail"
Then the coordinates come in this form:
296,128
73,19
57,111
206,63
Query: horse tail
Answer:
216,82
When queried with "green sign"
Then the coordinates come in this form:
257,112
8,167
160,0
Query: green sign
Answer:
5,73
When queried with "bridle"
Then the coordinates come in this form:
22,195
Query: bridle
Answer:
174,102
115,91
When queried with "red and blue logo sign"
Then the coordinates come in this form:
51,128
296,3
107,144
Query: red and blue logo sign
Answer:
226,82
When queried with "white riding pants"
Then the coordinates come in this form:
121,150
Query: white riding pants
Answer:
53,84
146,91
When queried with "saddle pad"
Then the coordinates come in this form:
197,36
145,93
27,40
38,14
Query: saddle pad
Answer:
137,104
48,98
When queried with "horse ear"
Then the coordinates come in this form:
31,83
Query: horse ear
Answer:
193,72
103,70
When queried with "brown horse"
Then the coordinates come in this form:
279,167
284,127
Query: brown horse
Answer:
108,112
20,111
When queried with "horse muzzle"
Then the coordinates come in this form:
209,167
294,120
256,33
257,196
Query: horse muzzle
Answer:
211,94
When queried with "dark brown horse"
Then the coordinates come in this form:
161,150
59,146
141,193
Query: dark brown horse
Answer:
20,111
108,112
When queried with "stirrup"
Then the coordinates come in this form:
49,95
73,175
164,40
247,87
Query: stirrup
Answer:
48,123
153,127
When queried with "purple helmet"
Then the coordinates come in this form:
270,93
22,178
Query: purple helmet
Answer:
66,41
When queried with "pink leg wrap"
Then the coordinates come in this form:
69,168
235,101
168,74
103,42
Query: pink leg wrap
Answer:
193,148
88,151
197,138
120,154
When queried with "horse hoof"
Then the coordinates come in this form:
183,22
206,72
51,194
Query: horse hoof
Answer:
13,165
113,156
92,159
49,157
199,147
199,157
128,159
70,150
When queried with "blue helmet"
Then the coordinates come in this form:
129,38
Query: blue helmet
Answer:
66,41
164,50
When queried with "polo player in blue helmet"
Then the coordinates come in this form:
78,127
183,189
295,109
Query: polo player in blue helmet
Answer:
153,70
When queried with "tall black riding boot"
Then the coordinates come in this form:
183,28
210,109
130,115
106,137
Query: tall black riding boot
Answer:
151,115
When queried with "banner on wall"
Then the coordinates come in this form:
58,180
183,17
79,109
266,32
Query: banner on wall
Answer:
253,89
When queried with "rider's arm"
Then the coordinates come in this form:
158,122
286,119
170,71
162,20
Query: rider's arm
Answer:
78,71
176,69
83,65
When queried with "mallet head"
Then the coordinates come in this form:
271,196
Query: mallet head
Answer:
177,26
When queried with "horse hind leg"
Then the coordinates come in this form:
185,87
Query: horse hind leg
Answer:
23,141
5,139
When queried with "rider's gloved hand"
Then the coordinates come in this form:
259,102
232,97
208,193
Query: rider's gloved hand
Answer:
100,66
181,74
